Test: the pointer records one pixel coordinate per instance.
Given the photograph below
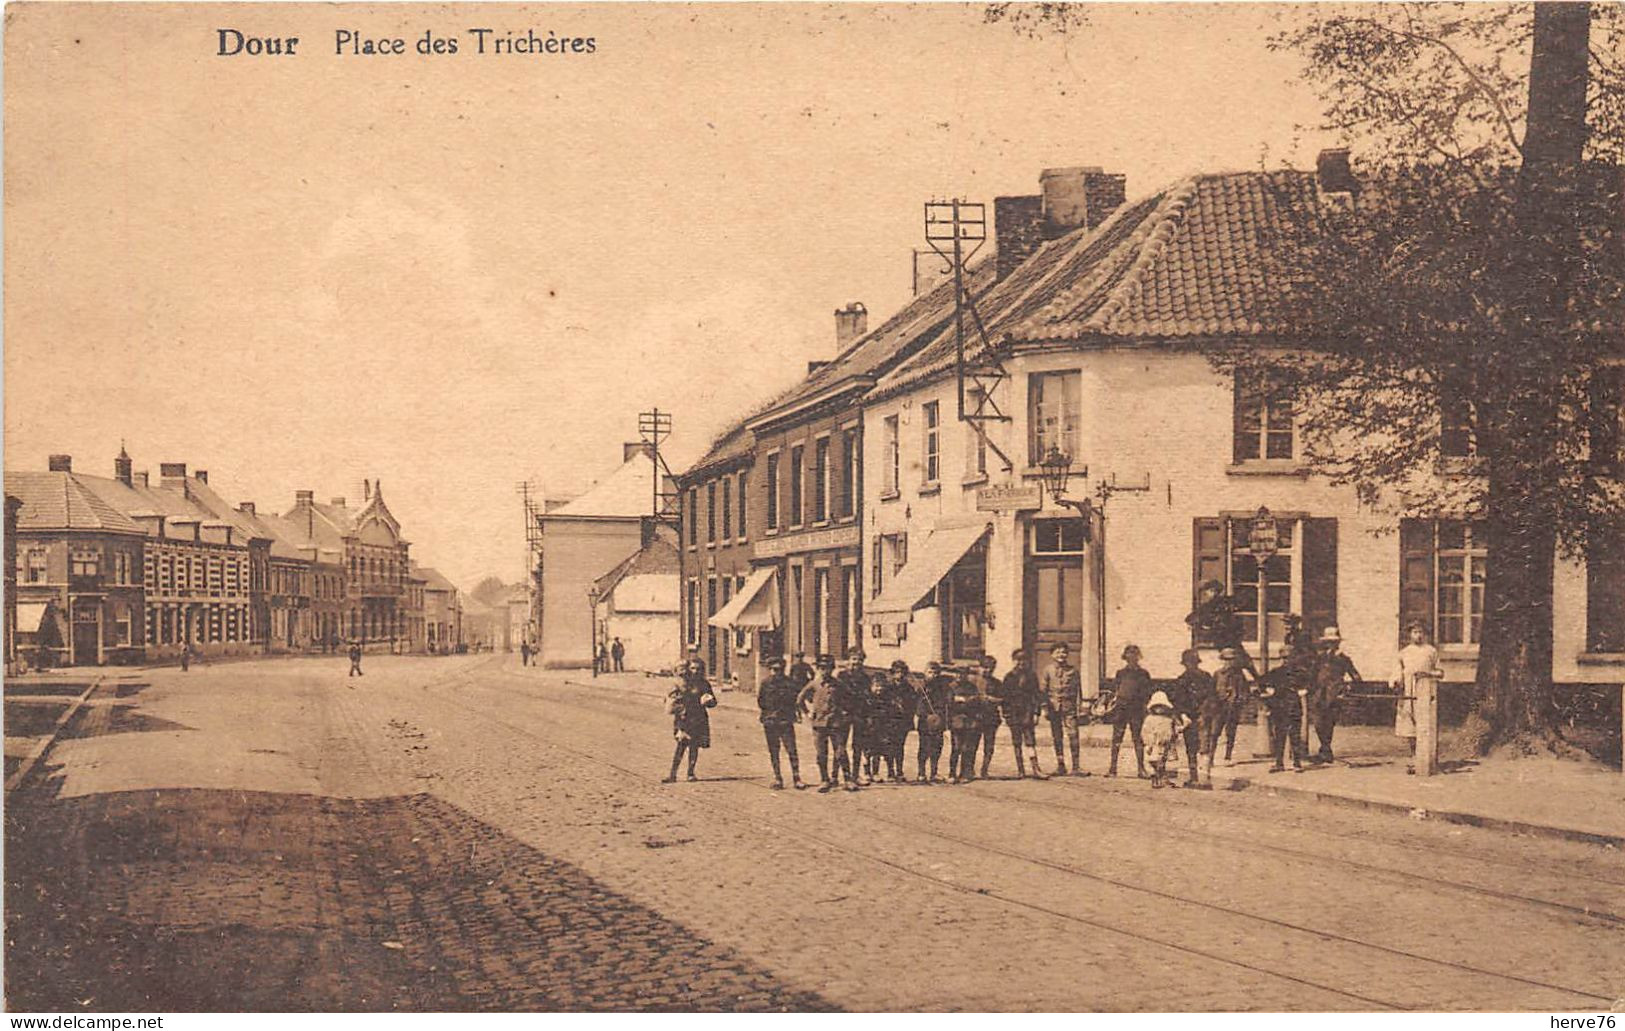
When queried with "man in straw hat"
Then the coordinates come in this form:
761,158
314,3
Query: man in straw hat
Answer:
1333,670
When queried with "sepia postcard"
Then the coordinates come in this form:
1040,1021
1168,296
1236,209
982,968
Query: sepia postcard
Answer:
784,507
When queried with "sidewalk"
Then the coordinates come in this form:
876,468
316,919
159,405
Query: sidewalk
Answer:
1549,798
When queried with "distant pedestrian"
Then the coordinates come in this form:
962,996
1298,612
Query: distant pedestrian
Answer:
776,699
1333,673
1061,691
617,655
524,652
1195,700
1131,690
1020,705
355,659
827,708
931,720
1417,659
1160,730
691,723
600,659
186,657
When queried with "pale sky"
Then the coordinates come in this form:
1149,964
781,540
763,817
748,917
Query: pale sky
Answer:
453,273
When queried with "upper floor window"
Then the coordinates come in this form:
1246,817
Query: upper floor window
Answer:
847,485
821,480
727,508
84,563
773,491
1458,428
1053,400
711,512
975,442
796,482
931,459
1263,423
36,567
1607,431
743,494
891,458
693,517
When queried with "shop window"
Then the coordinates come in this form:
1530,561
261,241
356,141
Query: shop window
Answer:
962,597
820,611
121,628
1053,401
741,635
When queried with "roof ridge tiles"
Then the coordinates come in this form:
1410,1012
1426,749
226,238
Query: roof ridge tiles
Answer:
1165,222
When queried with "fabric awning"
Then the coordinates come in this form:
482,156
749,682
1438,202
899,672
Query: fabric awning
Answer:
755,607
29,616
926,567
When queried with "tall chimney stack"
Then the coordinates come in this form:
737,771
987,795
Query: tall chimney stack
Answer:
851,322
1079,196
60,463
1018,231
172,476
1333,173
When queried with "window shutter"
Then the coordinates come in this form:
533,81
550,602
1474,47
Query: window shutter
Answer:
1416,573
1238,436
1207,536
1607,397
1319,575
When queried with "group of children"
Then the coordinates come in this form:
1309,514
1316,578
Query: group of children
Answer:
861,719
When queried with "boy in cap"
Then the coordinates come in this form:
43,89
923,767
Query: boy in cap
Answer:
1021,704
801,671
1278,690
1060,689
1195,699
1333,670
931,719
991,695
777,700
1231,684
1130,693
965,726
857,688
898,702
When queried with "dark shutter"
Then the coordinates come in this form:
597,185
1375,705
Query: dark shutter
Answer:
1319,575
1416,573
1605,593
1208,558
1607,398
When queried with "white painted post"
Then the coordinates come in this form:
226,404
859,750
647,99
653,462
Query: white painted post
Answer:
1427,723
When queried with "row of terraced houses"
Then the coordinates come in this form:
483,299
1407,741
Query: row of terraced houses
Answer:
122,569
859,512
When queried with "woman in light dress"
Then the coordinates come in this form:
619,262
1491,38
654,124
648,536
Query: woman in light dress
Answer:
1418,658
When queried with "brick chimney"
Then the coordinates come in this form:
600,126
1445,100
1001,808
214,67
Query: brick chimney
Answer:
143,478
172,476
814,366
246,507
851,322
1079,196
631,449
60,463
1018,229
304,498
123,467
337,502
202,475
1333,173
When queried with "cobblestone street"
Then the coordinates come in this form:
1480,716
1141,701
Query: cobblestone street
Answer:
464,833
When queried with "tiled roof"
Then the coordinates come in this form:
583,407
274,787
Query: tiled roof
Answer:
60,501
895,339
1199,268
1187,261
628,492
433,579
173,505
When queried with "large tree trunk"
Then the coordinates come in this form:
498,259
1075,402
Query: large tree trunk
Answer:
1518,389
